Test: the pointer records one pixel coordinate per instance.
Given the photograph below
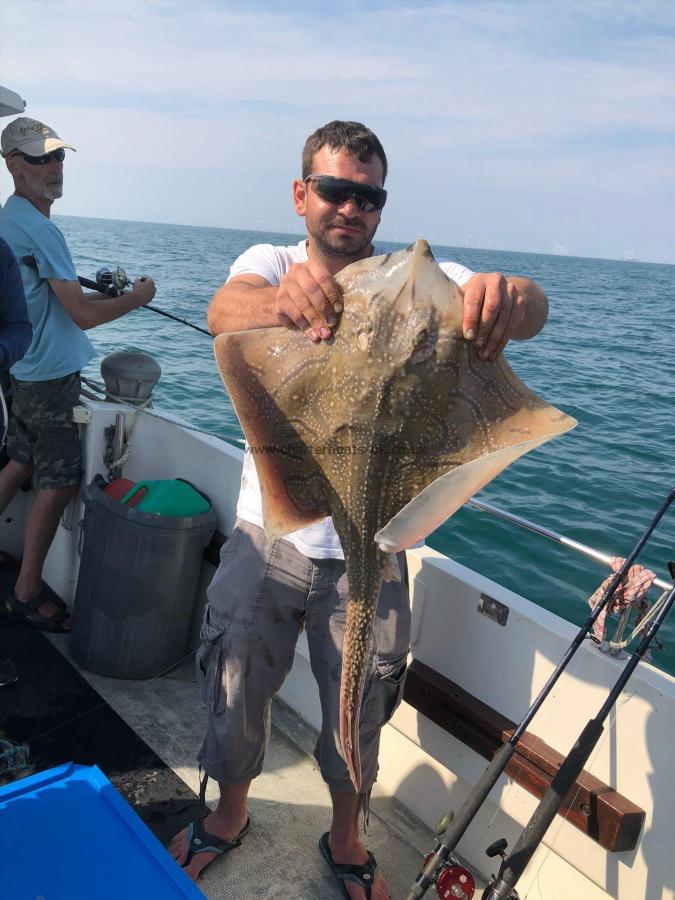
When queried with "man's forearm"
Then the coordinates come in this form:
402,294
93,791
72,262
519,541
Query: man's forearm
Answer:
240,306
101,309
536,307
90,310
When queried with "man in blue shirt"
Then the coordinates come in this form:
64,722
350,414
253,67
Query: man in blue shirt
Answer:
43,440
15,336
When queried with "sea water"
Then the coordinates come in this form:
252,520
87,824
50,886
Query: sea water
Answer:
605,357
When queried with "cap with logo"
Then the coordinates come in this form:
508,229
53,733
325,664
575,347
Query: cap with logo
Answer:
30,137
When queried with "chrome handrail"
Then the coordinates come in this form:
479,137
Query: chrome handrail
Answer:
552,535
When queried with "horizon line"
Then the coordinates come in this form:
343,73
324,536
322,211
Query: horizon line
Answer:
384,240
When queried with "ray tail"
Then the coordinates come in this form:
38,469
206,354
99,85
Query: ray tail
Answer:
355,656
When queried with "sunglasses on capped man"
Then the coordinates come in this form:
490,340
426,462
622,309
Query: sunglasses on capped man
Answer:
337,191
59,155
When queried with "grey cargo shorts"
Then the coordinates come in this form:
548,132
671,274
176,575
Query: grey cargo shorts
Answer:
260,598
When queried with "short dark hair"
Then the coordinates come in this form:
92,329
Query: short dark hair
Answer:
353,137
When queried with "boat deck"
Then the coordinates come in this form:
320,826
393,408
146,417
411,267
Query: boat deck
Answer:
289,803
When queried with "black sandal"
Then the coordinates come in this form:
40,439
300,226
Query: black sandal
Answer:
362,875
202,841
28,613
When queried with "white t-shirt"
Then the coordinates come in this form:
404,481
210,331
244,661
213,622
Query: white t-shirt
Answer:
320,540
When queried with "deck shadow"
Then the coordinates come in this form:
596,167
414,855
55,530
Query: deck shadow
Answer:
56,713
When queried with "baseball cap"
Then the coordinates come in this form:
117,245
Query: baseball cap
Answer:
31,137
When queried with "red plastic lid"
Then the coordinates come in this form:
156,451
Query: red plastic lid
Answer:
119,488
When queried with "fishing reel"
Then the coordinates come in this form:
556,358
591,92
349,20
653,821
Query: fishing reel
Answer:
453,880
495,890
113,281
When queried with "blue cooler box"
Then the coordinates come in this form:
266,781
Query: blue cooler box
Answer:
66,834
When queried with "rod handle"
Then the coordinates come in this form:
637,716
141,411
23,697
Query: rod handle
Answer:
516,862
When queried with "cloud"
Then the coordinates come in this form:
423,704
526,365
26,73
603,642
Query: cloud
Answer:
553,97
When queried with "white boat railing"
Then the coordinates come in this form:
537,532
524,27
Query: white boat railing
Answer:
552,535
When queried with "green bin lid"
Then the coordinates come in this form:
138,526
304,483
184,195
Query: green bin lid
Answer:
168,497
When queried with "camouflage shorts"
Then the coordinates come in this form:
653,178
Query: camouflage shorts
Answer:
42,433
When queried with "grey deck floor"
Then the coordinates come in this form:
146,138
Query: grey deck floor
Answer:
289,803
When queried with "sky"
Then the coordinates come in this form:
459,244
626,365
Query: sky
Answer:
543,126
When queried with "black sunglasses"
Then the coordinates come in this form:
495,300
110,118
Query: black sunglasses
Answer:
59,155
337,191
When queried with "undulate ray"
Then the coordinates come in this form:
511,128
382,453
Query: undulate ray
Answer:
389,428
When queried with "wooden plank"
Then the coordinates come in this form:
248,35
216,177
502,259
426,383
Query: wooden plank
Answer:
592,806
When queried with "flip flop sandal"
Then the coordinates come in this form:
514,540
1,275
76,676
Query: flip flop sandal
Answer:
29,613
362,875
200,841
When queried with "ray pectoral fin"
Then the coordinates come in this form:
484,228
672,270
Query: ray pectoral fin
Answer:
291,498
444,496
291,483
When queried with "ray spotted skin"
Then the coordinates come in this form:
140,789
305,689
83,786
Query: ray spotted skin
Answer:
388,427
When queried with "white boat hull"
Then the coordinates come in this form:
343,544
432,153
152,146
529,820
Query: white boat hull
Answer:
421,765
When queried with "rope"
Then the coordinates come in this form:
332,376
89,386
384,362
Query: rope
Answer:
641,624
133,402
630,595
138,409
126,453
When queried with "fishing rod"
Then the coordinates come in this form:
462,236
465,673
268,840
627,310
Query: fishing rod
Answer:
113,283
513,865
452,827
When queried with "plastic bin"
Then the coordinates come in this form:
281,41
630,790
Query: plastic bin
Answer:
69,835
136,586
